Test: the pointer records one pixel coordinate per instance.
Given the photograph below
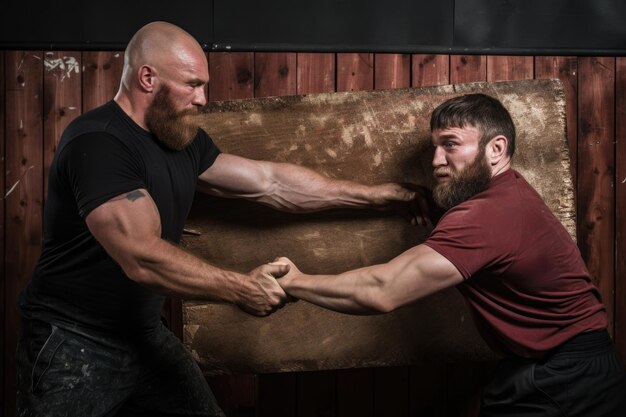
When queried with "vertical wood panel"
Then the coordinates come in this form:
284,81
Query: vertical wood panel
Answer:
468,68
316,391
317,394
274,74
62,100
102,72
316,73
430,70
391,391
2,234
391,385
392,71
232,78
23,190
427,390
506,68
620,208
596,203
565,68
355,387
355,393
231,75
355,72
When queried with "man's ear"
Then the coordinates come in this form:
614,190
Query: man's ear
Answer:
496,149
147,75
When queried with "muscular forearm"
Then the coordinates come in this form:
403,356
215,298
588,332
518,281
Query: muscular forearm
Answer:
170,270
293,188
354,292
298,189
412,275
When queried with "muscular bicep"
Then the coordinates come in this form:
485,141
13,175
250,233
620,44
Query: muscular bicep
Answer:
126,226
417,273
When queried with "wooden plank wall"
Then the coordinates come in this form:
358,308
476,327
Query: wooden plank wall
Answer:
42,91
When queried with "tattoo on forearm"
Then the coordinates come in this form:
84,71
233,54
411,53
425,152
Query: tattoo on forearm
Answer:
135,195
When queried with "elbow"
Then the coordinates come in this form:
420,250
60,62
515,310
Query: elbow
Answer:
137,273
380,298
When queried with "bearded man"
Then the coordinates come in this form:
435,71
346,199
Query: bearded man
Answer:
120,188
522,275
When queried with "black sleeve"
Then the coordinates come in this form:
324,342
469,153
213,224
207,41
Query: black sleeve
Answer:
98,167
208,151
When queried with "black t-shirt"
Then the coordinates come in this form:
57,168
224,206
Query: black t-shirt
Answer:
101,155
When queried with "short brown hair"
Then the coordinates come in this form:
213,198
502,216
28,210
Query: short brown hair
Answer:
481,111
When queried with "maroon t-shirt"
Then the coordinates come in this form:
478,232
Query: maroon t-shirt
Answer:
525,280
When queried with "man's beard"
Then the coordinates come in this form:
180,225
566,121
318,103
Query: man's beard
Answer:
174,129
473,179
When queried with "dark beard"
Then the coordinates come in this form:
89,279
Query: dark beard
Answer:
462,186
174,129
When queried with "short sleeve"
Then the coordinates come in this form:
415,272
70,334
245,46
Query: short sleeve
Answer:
99,167
474,239
208,151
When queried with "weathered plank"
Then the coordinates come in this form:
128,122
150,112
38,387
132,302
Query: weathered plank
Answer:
315,73
392,71
2,237
596,180
370,137
468,68
391,384
274,74
565,68
507,68
355,72
231,75
316,391
102,72
620,207
23,190
430,70
62,100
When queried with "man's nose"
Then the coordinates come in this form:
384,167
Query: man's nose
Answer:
199,98
439,158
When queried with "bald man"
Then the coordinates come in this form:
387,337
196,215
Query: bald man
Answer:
121,186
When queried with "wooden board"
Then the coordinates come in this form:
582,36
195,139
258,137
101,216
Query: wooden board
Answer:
371,137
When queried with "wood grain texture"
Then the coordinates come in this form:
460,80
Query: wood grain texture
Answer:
501,68
23,190
430,70
355,72
3,391
274,74
468,68
392,71
596,173
620,206
565,68
316,73
231,75
102,71
370,137
62,86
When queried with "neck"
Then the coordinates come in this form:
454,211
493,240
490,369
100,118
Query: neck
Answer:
132,107
500,168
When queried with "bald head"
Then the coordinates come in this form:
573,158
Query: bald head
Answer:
161,45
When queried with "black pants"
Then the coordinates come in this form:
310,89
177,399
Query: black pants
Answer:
582,378
66,372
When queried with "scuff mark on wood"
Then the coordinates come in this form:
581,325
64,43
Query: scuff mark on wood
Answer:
18,181
65,65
